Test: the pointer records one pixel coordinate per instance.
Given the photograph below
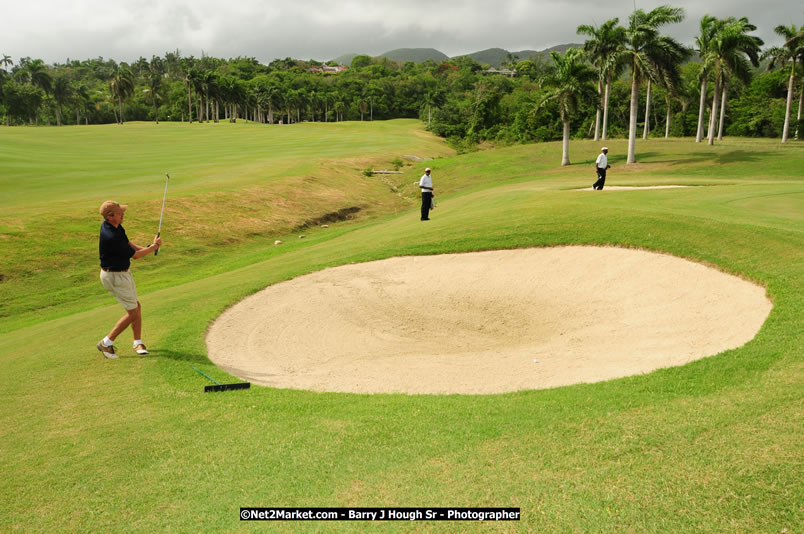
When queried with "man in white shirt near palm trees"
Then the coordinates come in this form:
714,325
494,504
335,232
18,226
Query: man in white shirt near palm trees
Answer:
601,165
426,185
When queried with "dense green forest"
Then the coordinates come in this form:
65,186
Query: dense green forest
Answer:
757,90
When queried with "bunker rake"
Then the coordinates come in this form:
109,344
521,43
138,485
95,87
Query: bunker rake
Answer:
218,386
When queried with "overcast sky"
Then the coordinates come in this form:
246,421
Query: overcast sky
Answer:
325,29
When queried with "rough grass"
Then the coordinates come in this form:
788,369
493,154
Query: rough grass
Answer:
134,445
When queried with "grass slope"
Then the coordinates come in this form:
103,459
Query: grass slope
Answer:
232,186
133,444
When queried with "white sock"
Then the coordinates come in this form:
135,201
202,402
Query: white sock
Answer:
107,342
138,342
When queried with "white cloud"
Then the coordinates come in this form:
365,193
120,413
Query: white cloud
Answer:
322,29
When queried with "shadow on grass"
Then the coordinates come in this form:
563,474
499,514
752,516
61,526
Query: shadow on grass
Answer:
732,156
741,156
186,356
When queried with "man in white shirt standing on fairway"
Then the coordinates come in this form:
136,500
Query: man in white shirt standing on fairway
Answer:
426,185
601,165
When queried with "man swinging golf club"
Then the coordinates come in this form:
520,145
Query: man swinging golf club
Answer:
116,252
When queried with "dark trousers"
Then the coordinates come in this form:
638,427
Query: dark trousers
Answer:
601,179
427,201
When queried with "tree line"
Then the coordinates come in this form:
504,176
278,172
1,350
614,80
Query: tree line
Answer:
176,88
596,91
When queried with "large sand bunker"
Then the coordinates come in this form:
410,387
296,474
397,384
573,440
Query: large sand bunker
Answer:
486,322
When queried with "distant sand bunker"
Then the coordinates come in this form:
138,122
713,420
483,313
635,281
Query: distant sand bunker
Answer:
636,187
486,322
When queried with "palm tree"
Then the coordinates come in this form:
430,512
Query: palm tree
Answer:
339,106
208,80
213,87
226,90
646,127
669,103
300,99
679,95
569,85
260,90
141,67
250,104
274,99
6,62
312,99
371,94
747,49
798,42
362,105
325,97
709,28
193,81
604,51
154,91
3,76
664,77
107,99
670,80
189,75
173,64
216,94
37,74
239,97
801,94
288,99
196,80
651,55
729,48
792,51
122,86
157,66
61,95
81,100
428,101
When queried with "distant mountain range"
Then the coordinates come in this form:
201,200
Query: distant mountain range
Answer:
494,57
497,56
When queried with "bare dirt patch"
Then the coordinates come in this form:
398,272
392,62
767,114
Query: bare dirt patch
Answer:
334,216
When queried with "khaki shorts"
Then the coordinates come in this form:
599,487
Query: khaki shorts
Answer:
122,287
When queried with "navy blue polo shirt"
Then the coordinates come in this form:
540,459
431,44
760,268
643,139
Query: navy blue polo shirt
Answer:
115,252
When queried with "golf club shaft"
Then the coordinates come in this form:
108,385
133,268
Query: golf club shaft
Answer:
161,215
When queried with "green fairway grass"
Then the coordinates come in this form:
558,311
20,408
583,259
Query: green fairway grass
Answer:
231,185
95,445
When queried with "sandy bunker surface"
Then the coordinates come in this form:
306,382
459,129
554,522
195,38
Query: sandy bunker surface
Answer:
486,322
636,187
